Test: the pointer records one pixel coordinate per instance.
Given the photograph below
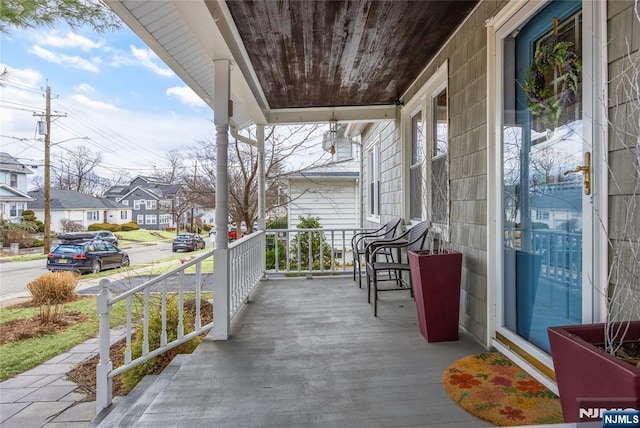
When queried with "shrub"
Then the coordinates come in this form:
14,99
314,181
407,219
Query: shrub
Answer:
170,229
52,290
279,223
37,243
104,226
207,227
132,225
21,237
131,377
70,226
271,256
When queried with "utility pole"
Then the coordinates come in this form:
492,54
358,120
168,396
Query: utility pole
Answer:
47,170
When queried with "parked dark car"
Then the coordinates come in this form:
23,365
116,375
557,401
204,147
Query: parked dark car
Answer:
86,256
188,242
105,235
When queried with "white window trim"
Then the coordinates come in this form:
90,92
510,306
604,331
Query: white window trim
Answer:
136,204
373,148
422,101
151,219
140,219
508,20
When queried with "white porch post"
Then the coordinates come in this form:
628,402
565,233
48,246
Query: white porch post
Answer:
221,286
262,189
261,177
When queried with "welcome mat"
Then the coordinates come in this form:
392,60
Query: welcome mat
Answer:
493,388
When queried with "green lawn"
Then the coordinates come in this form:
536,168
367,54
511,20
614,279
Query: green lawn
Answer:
144,236
20,356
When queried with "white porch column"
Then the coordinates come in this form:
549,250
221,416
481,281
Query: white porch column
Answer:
221,286
262,189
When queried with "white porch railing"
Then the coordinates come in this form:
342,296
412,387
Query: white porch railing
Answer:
246,267
330,252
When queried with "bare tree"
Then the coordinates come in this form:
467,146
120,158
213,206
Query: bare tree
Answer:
174,172
282,144
75,170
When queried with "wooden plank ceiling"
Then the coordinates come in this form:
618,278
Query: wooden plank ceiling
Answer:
319,53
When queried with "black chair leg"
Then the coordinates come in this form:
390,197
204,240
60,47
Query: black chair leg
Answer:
368,287
375,294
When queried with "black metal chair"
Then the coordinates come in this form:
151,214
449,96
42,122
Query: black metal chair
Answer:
412,240
360,240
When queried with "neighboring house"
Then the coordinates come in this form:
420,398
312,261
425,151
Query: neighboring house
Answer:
79,208
13,188
329,192
155,204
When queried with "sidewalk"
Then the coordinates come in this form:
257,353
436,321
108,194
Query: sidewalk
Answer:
41,397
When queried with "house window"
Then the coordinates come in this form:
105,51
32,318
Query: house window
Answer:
123,215
136,204
416,166
140,219
15,210
165,218
151,219
125,202
373,180
152,204
13,180
439,164
542,215
93,215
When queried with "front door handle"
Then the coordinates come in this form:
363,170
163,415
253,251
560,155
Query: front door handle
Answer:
586,169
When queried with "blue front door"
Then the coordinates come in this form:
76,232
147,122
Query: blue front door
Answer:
542,201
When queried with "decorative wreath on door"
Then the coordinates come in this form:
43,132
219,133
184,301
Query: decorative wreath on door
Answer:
550,55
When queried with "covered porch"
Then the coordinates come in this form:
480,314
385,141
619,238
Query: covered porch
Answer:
307,352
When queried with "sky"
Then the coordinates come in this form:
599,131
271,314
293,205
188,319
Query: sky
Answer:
109,88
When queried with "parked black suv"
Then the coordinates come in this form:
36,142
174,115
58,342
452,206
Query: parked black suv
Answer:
188,241
85,255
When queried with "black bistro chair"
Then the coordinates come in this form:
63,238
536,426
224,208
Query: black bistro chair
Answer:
412,240
360,240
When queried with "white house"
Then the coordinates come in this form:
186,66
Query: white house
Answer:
329,192
80,208
13,188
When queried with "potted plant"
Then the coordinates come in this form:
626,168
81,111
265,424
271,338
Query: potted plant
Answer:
435,276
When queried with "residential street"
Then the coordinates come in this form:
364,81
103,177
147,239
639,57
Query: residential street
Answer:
14,276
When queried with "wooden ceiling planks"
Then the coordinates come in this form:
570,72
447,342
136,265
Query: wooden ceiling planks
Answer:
319,53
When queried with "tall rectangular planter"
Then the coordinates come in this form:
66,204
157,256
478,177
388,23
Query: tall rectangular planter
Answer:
436,288
589,378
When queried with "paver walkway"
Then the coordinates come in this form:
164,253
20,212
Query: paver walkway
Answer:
42,397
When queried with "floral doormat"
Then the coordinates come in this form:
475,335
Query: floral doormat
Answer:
495,389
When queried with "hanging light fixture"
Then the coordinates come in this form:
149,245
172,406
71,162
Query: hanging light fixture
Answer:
333,132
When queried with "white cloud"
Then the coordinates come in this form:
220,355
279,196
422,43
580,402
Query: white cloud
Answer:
85,88
94,104
147,58
185,95
69,40
64,60
139,57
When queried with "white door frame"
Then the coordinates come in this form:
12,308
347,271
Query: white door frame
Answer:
508,20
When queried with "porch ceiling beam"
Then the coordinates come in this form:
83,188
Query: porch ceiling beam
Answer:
324,114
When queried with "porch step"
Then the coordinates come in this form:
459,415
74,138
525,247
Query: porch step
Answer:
127,410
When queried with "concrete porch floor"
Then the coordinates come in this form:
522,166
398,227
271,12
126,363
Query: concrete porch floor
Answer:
307,353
